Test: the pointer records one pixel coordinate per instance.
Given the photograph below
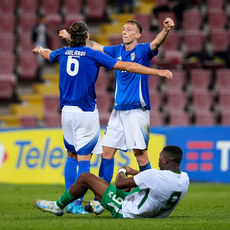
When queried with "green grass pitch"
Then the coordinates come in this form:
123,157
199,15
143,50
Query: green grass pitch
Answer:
205,206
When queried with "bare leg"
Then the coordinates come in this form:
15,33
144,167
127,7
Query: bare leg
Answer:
88,181
141,156
108,152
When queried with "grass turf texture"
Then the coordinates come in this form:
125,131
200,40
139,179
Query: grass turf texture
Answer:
206,206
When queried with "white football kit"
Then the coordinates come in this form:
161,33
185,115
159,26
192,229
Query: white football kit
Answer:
127,129
160,192
81,130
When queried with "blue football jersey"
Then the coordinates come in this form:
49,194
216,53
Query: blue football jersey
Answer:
78,72
131,90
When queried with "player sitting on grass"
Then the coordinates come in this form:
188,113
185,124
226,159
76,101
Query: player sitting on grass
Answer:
156,192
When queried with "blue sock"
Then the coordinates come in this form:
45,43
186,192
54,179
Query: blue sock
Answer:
106,169
70,172
83,166
144,167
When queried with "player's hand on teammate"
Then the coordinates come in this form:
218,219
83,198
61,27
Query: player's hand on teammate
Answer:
166,73
168,24
63,34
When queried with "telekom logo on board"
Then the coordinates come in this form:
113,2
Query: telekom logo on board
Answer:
200,155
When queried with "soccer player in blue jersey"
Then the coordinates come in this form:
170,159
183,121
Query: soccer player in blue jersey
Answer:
128,126
78,71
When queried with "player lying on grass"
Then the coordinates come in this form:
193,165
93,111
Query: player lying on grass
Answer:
156,193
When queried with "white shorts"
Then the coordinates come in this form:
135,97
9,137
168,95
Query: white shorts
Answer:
81,130
127,130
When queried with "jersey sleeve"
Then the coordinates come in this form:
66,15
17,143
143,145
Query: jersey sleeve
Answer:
146,179
111,50
147,50
55,55
105,60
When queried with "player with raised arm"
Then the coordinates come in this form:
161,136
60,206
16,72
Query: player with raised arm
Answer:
156,193
132,101
78,71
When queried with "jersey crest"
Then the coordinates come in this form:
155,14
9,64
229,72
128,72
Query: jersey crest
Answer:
132,56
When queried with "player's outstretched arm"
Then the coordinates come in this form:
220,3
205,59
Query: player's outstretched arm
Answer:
160,38
63,34
137,68
95,46
45,53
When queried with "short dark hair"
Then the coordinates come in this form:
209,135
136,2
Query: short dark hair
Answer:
135,22
78,34
174,153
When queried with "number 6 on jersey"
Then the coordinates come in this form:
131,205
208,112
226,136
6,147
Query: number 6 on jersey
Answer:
71,61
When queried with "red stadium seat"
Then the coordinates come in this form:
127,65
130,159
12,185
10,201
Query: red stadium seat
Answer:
7,63
225,117
52,120
176,100
213,4
55,41
7,86
177,83
102,82
146,37
200,79
173,57
155,100
154,83
28,121
192,19
7,23
172,42
224,100
95,9
162,16
54,22
195,2
219,40
51,104
25,43
71,18
115,39
202,100
7,6
205,118
194,41
156,119
222,79
217,18
144,19
9,77
72,6
179,118
27,22
28,6
104,102
28,66
50,6
7,42
161,2
6,90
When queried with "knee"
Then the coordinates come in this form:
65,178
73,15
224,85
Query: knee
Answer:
71,155
84,176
